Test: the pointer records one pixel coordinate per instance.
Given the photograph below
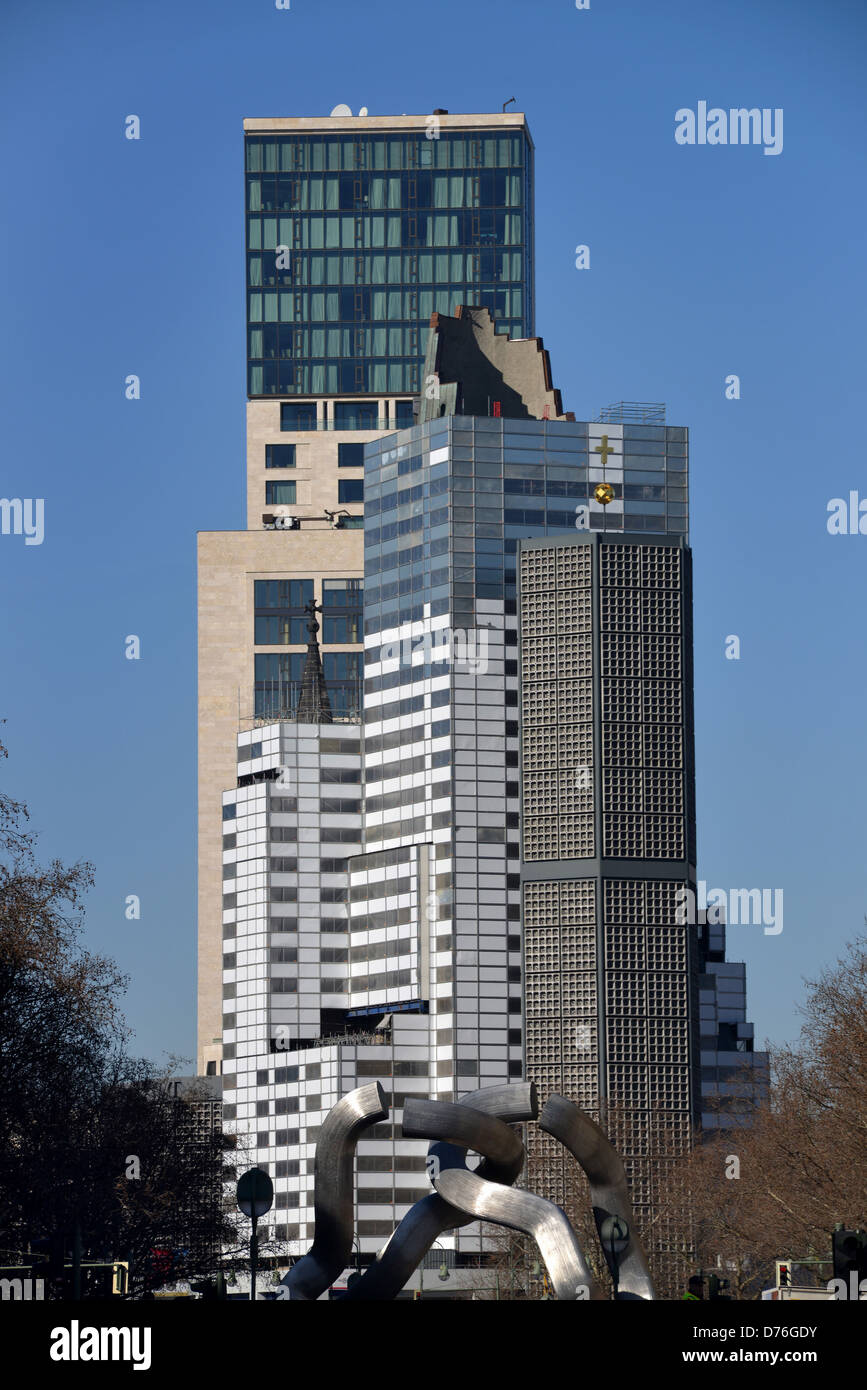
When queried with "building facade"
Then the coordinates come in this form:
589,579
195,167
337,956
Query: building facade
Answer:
357,229
468,864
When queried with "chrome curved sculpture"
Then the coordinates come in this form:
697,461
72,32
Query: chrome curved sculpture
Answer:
481,1122
331,1250
465,1128
459,1128
432,1215
609,1193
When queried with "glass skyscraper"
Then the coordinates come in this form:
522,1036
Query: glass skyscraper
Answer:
448,535
379,227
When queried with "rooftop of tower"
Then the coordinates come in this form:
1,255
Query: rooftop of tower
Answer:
471,369
507,120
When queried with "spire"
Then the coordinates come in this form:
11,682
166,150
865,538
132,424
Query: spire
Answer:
313,707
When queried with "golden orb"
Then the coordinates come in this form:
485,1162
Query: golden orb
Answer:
604,493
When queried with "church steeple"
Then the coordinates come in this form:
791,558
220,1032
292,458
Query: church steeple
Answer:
314,706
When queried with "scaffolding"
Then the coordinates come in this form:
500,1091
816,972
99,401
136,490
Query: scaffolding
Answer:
633,413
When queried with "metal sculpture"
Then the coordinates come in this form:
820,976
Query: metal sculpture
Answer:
459,1128
432,1215
480,1122
609,1194
331,1250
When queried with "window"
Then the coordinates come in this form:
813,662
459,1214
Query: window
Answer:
355,415
350,455
403,414
282,593
279,455
342,593
348,490
279,493
345,596
278,681
346,628
298,415
280,631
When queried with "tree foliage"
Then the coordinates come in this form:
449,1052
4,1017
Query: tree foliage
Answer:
94,1145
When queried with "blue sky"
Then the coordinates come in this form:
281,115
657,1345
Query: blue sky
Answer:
123,257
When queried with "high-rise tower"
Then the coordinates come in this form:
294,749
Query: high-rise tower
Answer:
465,860
358,228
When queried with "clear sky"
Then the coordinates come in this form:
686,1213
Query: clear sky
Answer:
126,257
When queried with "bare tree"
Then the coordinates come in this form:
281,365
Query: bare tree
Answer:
776,1187
98,1158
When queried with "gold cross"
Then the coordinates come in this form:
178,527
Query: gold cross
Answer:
603,449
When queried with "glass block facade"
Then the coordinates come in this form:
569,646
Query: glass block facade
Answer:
355,238
607,794
624,997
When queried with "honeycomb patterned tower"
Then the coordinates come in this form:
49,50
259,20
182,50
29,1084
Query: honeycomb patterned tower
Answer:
607,843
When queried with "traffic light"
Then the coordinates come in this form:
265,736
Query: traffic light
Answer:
784,1274
849,1251
716,1287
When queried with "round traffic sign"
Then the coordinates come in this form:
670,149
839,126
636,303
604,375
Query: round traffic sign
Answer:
255,1192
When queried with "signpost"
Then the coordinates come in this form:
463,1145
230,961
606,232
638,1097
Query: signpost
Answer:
255,1197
